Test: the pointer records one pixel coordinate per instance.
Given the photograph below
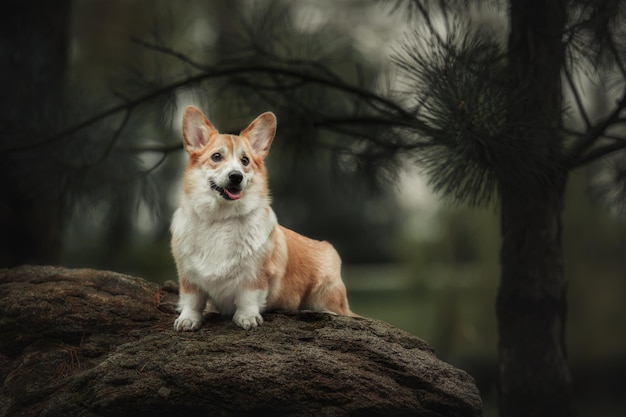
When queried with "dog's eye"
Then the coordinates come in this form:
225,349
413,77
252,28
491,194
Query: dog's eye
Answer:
216,157
245,161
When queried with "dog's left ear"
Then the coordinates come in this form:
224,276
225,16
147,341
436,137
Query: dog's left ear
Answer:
260,133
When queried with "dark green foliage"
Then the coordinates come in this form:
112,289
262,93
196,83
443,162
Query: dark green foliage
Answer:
457,89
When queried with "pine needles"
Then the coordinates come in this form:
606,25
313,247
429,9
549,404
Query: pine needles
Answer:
458,89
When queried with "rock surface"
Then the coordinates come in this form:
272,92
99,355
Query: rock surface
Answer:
96,343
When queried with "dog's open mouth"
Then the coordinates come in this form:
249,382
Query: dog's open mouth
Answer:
232,192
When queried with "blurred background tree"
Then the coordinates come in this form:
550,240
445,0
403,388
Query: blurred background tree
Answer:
499,104
34,50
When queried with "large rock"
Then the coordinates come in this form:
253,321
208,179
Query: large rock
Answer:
95,343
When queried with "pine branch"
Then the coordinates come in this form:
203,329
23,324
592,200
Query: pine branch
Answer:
431,27
616,55
577,98
578,157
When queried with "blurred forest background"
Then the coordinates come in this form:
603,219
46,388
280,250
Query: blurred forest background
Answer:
410,259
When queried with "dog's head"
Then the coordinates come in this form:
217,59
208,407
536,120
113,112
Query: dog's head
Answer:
226,169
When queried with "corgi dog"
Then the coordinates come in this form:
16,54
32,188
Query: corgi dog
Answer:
228,246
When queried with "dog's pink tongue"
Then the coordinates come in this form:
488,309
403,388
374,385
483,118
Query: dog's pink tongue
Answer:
233,194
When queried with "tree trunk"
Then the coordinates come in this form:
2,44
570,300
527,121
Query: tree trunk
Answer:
34,38
534,378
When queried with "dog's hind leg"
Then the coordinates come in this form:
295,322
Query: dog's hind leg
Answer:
332,299
330,295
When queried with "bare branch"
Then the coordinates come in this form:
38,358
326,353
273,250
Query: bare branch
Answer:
577,156
379,102
127,106
113,140
155,166
600,152
152,149
342,125
613,137
573,132
168,51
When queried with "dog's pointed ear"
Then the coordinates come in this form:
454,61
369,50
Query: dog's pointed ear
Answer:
260,133
196,129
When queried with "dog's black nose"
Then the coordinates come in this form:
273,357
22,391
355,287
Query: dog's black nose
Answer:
235,177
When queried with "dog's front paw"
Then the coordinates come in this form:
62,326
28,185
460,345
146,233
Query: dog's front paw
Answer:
188,323
248,321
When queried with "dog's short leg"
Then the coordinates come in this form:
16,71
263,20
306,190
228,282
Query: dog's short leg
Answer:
249,304
192,302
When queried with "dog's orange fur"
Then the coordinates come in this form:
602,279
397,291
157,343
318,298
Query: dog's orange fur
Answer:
310,277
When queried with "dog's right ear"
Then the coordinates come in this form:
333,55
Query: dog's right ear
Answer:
196,129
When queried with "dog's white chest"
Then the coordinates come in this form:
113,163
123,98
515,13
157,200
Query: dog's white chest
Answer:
232,249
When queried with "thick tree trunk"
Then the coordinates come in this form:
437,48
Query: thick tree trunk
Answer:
34,39
534,378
